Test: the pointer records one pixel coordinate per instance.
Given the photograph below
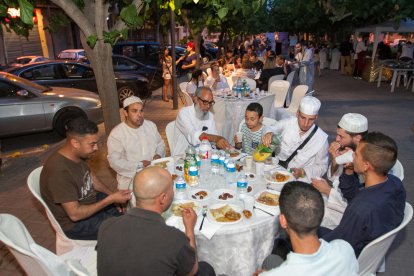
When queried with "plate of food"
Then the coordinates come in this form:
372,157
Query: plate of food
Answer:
250,176
225,213
267,198
199,194
224,195
179,205
163,162
279,177
233,153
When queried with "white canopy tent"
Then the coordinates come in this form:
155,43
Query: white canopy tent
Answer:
405,26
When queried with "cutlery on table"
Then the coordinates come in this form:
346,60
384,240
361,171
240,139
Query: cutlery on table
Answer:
254,207
204,216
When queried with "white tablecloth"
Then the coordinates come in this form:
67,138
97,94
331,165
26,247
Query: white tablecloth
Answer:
238,249
228,114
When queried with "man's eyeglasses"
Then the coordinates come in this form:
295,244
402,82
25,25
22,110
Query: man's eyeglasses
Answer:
206,102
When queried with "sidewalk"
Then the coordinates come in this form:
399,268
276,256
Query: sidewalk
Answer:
387,112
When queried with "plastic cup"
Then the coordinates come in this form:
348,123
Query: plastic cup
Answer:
248,203
239,136
259,168
347,157
249,162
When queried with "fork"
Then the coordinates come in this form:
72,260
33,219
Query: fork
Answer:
254,207
204,216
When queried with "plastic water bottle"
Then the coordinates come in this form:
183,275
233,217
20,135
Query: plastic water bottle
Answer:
180,188
242,184
190,156
225,162
197,158
231,175
222,157
205,155
193,175
215,162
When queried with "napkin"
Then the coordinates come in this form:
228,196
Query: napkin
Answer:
208,230
273,210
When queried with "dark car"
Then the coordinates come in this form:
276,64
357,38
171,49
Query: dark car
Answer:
211,50
78,75
129,65
145,52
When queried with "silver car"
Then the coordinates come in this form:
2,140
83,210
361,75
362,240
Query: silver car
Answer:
27,107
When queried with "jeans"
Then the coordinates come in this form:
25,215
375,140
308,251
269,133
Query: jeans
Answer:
87,229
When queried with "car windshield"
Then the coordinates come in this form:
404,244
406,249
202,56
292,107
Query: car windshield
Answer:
24,82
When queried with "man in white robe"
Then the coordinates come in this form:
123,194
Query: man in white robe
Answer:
195,121
312,160
134,143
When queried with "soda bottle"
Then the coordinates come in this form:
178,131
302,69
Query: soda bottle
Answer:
180,188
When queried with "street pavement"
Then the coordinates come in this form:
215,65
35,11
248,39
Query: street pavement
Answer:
390,113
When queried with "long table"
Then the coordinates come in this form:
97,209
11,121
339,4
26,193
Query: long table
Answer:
395,71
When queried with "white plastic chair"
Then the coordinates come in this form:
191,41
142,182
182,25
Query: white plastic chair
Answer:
266,122
188,100
275,78
398,170
280,88
298,93
169,132
63,243
290,78
267,103
76,267
34,259
372,258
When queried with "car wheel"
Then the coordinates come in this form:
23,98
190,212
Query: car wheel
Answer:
125,92
63,117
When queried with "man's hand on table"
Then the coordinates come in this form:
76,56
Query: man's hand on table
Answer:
222,143
267,139
321,185
189,218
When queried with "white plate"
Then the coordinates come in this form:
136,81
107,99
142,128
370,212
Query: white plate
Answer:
236,208
192,193
169,160
269,177
219,192
197,210
262,204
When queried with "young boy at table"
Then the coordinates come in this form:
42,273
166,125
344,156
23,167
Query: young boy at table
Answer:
252,129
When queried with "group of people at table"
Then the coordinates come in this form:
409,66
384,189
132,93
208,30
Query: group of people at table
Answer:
363,202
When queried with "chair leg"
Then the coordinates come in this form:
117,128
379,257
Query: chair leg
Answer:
398,80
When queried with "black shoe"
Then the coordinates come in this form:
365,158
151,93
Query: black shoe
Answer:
281,247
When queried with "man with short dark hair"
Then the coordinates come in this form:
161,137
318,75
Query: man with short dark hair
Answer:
257,64
140,243
378,207
70,189
196,121
301,212
134,143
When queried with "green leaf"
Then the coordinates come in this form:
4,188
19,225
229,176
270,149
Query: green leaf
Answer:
26,12
172,5
130,16
91,40
222,12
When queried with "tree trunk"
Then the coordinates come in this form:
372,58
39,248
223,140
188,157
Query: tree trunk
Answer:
101,62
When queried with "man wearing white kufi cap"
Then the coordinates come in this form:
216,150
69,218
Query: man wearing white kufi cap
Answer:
311,158
133,143
351,129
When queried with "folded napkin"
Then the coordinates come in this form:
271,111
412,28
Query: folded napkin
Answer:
208,230
272,210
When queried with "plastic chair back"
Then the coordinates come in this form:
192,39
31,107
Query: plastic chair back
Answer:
298,93
63,243
34,259
169,132
280,88
290,78
266,122
398,170
372,258
267,103
274,78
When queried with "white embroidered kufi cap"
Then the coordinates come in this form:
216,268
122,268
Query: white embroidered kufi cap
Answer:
309,105
354,123
130,100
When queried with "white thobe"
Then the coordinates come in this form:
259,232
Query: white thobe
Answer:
222,84
313,157
332,258
127,147
188,129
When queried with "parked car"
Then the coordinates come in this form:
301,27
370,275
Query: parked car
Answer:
72,54
27,107
211,50
126,64
19,61
78,75
145,52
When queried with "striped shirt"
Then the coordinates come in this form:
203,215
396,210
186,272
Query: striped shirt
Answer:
251,139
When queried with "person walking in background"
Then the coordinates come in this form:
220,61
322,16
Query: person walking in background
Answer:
360,52
345,48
